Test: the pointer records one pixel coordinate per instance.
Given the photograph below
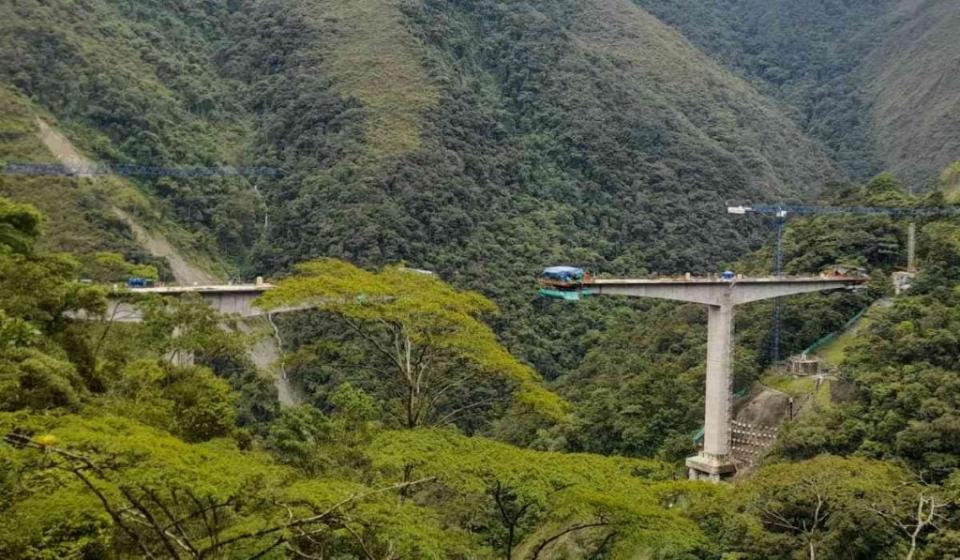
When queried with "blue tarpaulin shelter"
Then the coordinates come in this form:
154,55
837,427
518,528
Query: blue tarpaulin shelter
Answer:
563,273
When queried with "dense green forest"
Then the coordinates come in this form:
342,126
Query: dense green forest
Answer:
112,452
871,80
495,156
803,53
455,414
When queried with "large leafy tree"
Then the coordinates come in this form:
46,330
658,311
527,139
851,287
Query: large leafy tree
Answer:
425,339
19,226
83,487
831,507
36,291
530,505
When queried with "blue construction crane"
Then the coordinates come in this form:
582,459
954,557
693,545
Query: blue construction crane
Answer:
781,211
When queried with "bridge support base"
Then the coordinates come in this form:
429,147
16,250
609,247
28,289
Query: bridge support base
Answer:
710,467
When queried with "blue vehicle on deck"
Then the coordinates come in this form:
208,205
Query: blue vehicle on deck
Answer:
136,282
564,282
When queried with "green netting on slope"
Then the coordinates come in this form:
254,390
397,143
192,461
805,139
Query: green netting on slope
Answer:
699,435
823,341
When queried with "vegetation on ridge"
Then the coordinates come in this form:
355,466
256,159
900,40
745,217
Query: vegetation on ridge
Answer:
872,80
479,139
110,450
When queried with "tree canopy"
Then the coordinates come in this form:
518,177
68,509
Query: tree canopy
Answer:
428,336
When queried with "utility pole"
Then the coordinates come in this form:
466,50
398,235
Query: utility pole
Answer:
912,247
777,302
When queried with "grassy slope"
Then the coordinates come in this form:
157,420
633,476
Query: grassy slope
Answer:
834,352
950,181
372,57
914,76
141,83
800,387
795,386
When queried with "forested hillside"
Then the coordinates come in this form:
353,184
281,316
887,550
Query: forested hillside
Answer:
483,110
132,83
477,139
873,80
914,79
402,170
92,214
111,450
804,53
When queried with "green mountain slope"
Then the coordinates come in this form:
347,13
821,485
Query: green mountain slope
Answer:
132,83
477,138
567,131
88,214
805,53
875,81
914,76
69,227
481,139
566,104
593,116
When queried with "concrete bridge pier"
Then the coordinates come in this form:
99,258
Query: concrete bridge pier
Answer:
235,300
180,358
715,462
720,296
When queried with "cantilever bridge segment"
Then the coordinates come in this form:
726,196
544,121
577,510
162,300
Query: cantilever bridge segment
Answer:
720,296
228,299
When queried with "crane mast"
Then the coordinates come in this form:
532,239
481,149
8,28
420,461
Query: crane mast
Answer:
781,211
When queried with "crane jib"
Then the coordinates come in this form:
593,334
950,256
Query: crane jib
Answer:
891,211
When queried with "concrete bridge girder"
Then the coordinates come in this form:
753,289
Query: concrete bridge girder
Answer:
238,301
715,292
720,297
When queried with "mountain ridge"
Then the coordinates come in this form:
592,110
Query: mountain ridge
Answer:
915,76
874,81
320,104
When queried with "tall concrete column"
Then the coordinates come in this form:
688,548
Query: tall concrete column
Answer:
715,461
180,358
716,436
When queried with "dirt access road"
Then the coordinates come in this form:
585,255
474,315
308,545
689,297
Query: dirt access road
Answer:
153,242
